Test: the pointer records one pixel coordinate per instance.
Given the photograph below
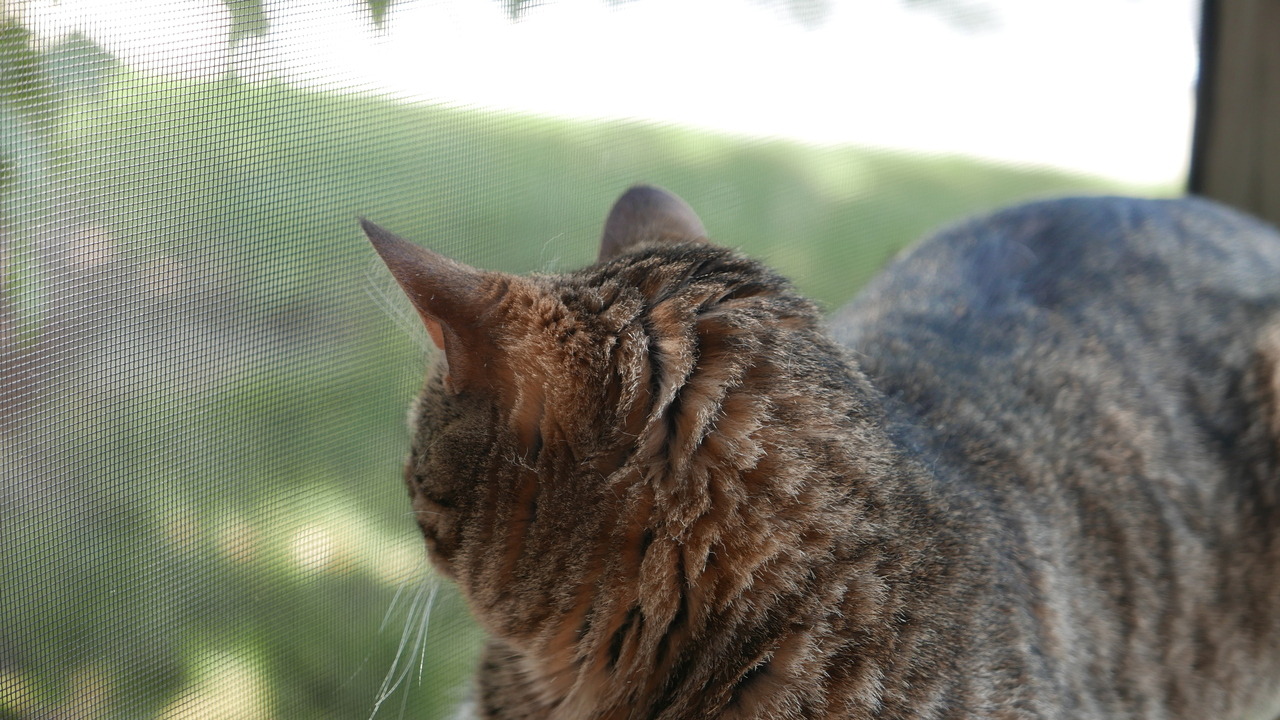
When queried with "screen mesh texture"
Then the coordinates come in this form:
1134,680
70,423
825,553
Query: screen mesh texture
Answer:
204,370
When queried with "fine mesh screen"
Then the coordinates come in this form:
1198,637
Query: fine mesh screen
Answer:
204,371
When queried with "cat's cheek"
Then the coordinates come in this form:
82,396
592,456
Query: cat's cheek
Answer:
441,563
438,526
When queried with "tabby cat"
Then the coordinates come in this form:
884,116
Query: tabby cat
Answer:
1031,472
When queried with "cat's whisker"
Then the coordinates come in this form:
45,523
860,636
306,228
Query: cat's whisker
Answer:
549,265
392,605
390,685
426,621
419,643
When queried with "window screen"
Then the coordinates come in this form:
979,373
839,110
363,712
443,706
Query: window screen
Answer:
204,370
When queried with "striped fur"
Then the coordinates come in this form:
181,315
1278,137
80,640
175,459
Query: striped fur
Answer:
1047,488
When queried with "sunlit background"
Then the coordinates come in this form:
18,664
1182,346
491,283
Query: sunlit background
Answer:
1099,86
204,370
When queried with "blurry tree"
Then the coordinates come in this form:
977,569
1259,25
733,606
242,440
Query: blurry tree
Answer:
967,15
810,13
38,81
24,110
249,19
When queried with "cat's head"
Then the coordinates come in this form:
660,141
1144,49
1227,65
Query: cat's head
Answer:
603,427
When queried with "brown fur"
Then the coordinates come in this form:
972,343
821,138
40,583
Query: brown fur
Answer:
1046,489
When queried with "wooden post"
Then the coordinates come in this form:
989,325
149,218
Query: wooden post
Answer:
1236,147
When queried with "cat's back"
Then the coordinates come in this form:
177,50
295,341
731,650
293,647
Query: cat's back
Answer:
1089,262
1098,376
1156,299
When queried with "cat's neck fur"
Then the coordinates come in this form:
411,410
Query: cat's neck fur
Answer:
764,533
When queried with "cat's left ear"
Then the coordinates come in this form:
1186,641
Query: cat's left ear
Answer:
646,213
452,299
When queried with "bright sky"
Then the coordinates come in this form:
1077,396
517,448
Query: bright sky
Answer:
1103,86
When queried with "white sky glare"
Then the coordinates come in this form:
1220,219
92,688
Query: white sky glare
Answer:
1100,86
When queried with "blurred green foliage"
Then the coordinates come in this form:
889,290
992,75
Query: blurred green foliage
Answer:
248,20
202,499
22,82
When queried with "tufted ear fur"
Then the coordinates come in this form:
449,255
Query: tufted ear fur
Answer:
453,300
647,213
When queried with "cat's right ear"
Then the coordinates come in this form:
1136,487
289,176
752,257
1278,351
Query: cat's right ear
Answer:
645,214
451,297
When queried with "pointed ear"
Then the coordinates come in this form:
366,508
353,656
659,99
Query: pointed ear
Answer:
646,213
451,297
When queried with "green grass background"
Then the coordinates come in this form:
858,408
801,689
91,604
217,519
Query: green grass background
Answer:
209,510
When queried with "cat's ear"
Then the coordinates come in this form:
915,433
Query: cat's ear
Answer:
452,299
646,213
